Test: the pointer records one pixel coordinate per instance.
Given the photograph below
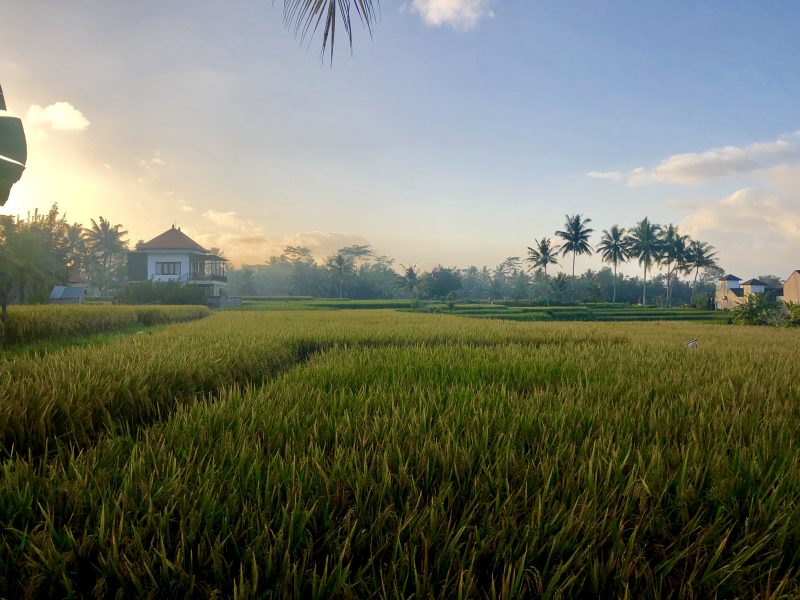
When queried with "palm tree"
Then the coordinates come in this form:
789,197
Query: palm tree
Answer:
614,247
700,256
542,254
24,261
576,240
75,248
644,246
340,265
106,243
409,281
305,16
673,254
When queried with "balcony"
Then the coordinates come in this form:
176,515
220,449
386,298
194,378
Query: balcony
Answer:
197,276
207,268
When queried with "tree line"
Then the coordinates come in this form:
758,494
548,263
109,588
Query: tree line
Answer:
650,244
356,272
45,250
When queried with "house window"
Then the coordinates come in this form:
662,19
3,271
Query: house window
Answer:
168,268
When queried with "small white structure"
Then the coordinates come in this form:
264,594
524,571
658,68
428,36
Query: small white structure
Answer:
174,256
68,294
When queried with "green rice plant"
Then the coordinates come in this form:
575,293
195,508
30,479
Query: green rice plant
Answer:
434,456
28,324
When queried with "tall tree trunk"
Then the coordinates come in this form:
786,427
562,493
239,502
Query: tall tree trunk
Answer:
546,287
644,288
614,297
573,276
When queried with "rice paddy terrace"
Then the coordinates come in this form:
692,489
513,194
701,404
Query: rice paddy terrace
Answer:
381,453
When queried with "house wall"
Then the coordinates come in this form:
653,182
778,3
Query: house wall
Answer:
791,288
156,257
753,289
724,299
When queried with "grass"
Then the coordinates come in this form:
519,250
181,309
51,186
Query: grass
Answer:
390,454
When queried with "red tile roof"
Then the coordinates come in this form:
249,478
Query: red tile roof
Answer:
173,239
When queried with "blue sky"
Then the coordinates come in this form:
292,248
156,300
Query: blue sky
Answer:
458,133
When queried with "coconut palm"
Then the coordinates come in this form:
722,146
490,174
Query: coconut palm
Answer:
576,240
645,246
304,17
542,254
673,254
700,256
409,281
340,265
614,248
106,243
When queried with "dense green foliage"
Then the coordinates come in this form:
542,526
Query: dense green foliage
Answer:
28,324
162,292
404,454
760,309
45,250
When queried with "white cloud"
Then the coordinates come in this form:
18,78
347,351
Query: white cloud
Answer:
59,116
699,167
755,230
609,175
459,14
229,220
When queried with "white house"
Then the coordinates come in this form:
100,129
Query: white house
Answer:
174,256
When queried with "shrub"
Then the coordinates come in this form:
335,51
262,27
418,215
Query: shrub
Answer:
760,310
162,292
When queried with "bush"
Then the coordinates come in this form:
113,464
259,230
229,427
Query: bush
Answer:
700,300
794,314
162,292
759,310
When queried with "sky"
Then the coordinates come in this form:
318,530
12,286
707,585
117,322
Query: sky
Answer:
456,134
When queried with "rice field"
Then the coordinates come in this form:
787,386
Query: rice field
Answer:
27,324
377,453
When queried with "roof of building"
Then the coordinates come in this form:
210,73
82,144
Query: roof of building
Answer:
754,281
729,278
173,239
737,292
67,292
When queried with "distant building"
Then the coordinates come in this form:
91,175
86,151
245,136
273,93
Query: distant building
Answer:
174,256
68,294
730,292
791,288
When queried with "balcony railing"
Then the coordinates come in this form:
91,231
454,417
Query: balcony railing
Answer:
200,276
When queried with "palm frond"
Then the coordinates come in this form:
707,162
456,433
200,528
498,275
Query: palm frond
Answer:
304,17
